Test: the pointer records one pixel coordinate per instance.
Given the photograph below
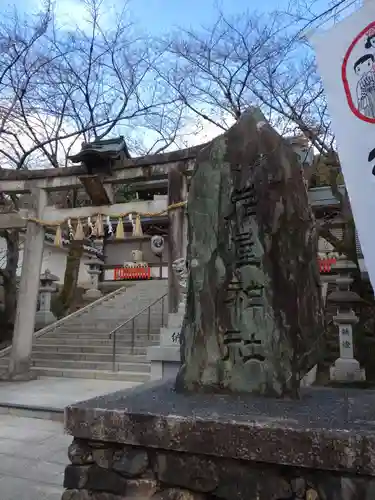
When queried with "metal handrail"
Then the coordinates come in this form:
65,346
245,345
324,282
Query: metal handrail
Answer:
112,334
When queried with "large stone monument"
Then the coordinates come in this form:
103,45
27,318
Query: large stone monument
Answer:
254,316
252,328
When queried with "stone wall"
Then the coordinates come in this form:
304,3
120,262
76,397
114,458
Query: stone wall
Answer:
154,442
107,471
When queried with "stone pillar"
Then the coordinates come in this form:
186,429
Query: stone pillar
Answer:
98,244
177,190
94,270
20,357
44,315
254,318
165,358
110,192
346,368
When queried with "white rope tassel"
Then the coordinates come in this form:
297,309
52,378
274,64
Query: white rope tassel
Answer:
70,230
109,226
132,222
98,226
90,226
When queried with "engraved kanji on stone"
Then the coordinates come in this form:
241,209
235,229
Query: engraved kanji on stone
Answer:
233,288
246,194
175,337
244,243
247,258
240,350
232,337
233,351
244,237
252,349
254,295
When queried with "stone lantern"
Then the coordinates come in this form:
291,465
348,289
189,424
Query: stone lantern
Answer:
94,269
346,368
44,316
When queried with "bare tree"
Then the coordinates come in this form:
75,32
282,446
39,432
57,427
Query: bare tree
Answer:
62,85
265,61
106,83
262,60
18,40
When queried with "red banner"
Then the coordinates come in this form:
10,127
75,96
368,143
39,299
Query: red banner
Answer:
326,264
132,273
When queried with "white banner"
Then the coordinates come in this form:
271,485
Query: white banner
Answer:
346,62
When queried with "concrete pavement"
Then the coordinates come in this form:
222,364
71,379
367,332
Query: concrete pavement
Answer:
33,451
33,456
55,392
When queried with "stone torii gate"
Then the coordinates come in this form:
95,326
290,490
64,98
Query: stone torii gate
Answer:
170,169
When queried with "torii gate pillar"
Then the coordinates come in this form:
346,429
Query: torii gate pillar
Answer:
177,191
20,358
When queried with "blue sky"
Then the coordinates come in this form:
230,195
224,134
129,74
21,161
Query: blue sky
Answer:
162,15
158,16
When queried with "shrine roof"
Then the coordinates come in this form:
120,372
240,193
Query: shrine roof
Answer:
77,170
110,149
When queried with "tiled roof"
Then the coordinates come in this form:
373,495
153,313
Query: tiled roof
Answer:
110,148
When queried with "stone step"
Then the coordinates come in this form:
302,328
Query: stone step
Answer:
94,342
106,331
92,374
120,336
94,328
48,358
85,356
103,333
90,365
135,295
112,320
87,349
81,348
89,327
122,312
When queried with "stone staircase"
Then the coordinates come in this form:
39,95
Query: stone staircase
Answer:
79,345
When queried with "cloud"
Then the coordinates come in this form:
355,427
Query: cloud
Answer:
70,12
207,132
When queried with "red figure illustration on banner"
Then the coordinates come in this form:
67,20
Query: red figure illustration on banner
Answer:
358,74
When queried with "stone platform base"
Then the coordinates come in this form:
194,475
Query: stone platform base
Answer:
165,361
347,370
152,442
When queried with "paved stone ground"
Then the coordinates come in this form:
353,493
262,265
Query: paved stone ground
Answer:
55,392
33,456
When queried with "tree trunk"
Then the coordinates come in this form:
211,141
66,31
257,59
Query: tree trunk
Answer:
67,293
10,283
